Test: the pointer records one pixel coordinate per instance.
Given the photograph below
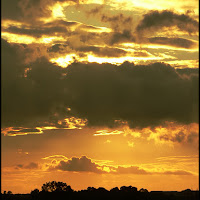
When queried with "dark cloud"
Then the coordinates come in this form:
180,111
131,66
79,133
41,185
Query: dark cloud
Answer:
20,166
141,54
177,172
188,71
37,32
55,27
31,165
155,20
103,51
99,51
176,42
28,98
96,10
131,170
122,37
82,164
142,95
137,170
24,130
28,10
192,137
118,22
25,10
180,137
122,28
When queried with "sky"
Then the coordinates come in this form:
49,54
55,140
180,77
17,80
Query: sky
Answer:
100,93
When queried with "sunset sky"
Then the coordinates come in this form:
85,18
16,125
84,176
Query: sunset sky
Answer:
100,93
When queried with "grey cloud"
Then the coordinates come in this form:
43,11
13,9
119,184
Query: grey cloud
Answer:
60,27
120,37
31,165
19,166
103,51
122,28
180,137
29,10
25,10
37,32
26,100
24,130
155,20
118,22
177,172
130,170
192,136
82,164
176,42
96,10
99,51
137,170
142,95
188,71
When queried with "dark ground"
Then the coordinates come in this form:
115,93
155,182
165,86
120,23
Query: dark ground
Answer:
104,194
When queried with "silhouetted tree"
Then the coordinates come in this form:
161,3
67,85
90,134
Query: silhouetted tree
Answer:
143,190
91,189
102,189
35,193
54,186
128,189
115,189
9,192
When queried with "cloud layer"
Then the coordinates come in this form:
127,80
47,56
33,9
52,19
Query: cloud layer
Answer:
142,95
85,164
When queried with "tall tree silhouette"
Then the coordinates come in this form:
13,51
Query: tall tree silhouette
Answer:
54,186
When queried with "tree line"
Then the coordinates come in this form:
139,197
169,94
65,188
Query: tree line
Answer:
59,190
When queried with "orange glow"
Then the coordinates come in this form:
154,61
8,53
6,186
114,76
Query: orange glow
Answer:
71,123
12,131
88,152
55,157
105,132
171,134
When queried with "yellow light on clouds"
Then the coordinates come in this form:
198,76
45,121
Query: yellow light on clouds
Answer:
154,46
15,38
64,61
24,39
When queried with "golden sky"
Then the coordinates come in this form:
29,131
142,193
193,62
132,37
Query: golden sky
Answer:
100,93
